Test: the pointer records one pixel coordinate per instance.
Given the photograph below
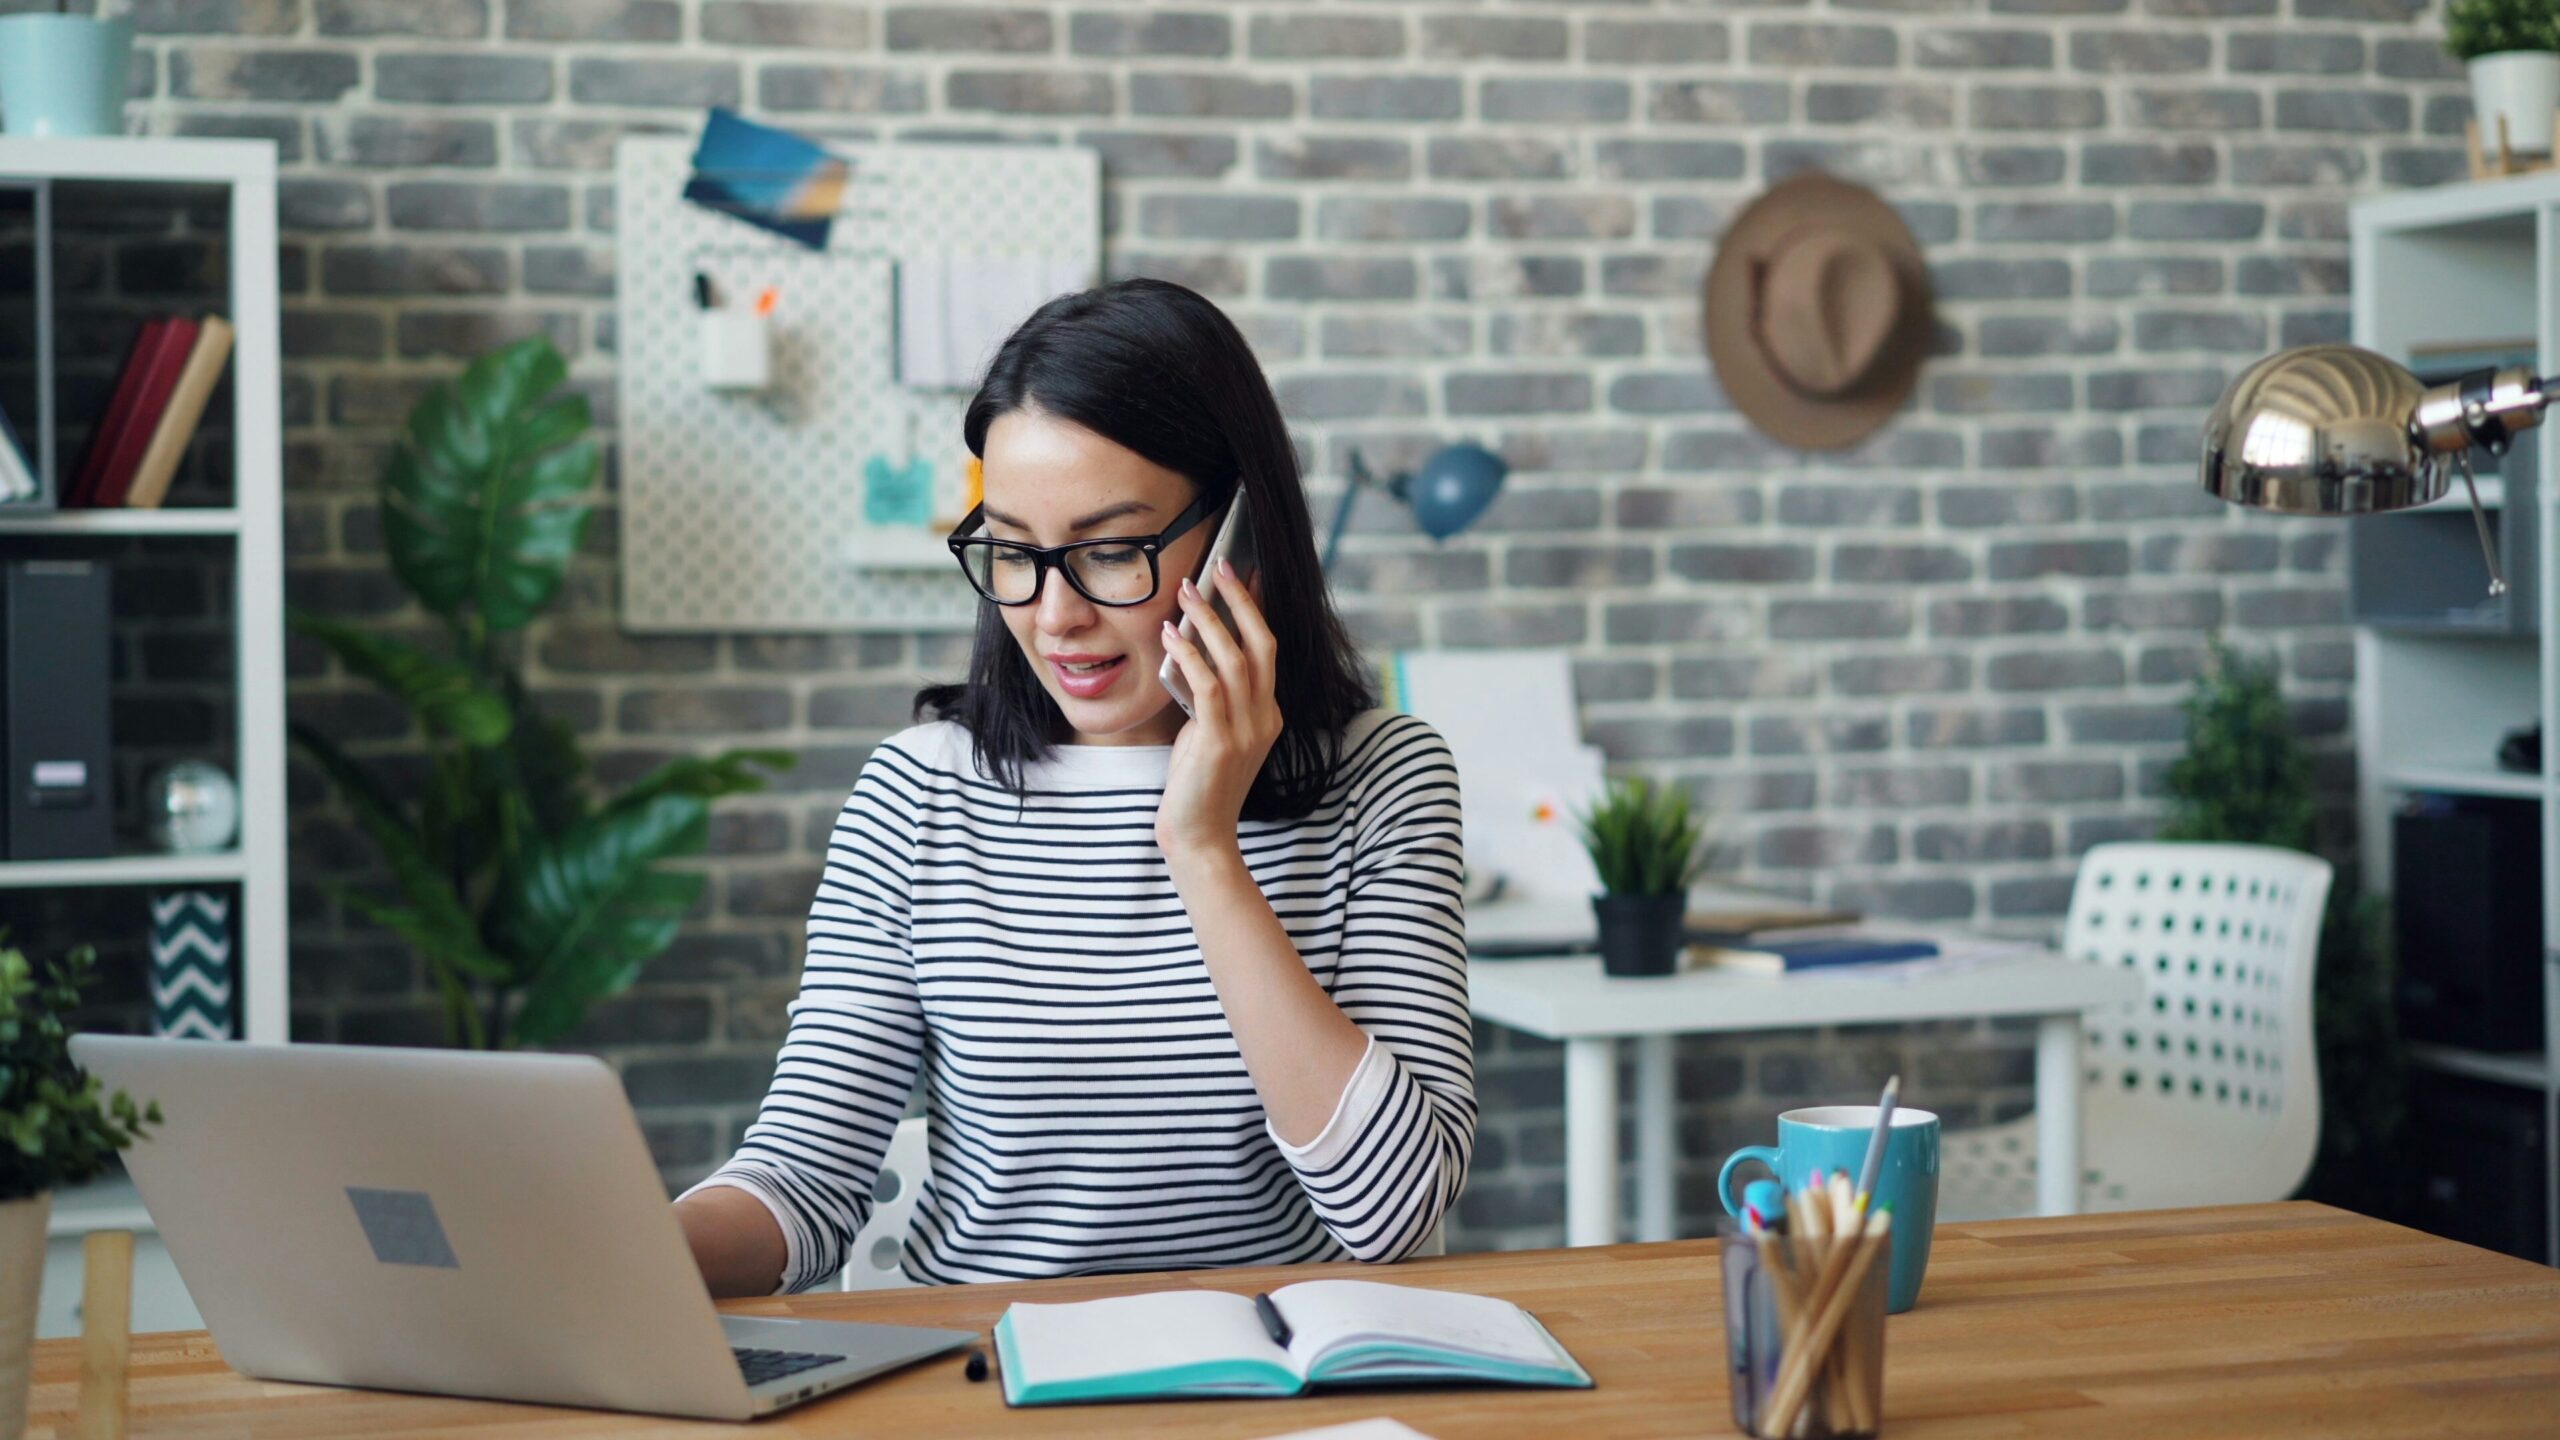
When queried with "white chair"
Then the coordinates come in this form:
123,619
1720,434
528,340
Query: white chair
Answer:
873,1261
2206,1091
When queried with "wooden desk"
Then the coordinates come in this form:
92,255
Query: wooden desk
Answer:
2245,1321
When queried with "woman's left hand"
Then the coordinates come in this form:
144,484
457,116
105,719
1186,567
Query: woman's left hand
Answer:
1235,717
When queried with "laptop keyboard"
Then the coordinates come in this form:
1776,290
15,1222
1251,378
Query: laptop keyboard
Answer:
762,1365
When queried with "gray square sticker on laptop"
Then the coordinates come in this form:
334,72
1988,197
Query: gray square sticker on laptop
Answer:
402,1226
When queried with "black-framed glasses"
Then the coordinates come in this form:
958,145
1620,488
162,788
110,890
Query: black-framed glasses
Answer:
1118,570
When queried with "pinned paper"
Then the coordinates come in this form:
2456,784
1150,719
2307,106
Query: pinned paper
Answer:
771,178
954,310
897,494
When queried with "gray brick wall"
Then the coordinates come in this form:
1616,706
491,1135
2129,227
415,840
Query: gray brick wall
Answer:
1919,676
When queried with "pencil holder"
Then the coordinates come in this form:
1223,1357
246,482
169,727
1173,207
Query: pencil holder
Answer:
737,348
1777,1310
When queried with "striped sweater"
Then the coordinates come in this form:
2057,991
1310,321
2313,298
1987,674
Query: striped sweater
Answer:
1031,961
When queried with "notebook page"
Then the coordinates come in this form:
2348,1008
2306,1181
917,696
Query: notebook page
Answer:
1323,1314
1057,1344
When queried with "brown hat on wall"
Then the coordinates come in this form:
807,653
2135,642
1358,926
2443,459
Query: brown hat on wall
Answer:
1817,312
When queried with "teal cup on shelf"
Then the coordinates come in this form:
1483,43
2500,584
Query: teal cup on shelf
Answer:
1834,1137
63,74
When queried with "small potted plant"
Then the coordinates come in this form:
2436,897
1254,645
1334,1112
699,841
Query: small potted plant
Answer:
1648,848
64,74
2512,49
56,1131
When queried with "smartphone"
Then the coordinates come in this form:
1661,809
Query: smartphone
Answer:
1233,544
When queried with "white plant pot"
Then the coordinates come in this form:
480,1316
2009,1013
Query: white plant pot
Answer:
21,1273
2523,86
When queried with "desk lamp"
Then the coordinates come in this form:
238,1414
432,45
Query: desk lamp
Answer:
1451,489
2340,430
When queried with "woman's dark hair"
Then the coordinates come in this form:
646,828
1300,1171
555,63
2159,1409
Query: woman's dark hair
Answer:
1155,368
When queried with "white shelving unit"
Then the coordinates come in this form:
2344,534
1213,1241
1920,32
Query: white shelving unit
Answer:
246,170
2455,265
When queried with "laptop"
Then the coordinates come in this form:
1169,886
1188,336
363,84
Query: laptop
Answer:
453,1223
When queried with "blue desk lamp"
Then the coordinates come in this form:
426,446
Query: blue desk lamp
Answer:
1451,489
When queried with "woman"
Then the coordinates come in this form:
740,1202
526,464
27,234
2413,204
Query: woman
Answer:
1182,992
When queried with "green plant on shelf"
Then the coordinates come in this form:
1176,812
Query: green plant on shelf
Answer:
2473,28
1644,840
530,894
58,1125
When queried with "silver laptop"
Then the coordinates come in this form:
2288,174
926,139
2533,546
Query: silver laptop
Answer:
455,1223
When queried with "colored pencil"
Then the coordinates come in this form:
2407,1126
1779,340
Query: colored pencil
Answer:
1874,1165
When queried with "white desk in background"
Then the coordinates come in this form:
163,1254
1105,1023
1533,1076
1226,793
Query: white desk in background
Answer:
1565,997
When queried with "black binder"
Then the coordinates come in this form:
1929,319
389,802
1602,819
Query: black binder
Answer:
55,802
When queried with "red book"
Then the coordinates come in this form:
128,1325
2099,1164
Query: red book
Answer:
102,436
160,370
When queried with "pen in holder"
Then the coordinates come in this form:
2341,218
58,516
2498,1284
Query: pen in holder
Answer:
1804,1330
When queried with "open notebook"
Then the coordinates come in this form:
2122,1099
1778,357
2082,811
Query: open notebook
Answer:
1206,1343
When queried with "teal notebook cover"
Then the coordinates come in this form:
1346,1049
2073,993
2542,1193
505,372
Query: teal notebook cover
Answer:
1200,1344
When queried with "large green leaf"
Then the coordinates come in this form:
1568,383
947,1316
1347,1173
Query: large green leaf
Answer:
482,507
435,919
584,912
446,695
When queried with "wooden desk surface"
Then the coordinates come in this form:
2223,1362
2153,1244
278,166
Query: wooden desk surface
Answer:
2260,1320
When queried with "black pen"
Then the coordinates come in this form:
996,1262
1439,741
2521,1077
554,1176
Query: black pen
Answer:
1271,1320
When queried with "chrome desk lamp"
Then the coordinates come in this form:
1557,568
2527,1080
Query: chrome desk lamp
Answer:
2340,430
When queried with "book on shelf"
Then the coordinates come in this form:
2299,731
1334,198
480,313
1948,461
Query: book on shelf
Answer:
18,482
163,352
178,420
1210,1343
1781,955
167,360
112,420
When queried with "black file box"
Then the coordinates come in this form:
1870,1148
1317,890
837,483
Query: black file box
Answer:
58,800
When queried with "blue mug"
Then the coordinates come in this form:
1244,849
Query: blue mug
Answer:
1834,1137
63,74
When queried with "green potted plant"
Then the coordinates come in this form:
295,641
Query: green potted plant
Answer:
64,74
1648,848
530,893
2512,50
56,1130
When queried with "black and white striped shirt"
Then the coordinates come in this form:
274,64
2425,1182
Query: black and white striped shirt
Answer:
1088,1108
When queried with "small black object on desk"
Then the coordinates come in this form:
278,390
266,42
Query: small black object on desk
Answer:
1271,1320
976,1369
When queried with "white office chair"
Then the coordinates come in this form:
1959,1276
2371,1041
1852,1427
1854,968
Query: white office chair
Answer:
873,1261
2205,1091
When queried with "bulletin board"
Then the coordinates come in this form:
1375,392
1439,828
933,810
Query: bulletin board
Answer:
745,512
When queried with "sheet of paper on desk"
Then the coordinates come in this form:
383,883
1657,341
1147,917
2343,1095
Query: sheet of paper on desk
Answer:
1523,770
1376,1427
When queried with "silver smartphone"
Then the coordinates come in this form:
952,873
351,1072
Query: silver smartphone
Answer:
1233,544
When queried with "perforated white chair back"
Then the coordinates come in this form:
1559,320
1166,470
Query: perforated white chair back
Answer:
873,1262
2206,1090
